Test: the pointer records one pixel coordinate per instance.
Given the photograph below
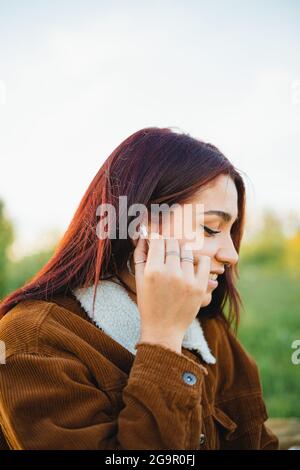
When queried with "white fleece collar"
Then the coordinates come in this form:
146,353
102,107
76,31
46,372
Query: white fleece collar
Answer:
118,316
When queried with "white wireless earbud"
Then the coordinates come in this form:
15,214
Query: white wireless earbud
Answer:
144,232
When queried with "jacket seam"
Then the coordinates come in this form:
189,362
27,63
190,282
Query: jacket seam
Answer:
45,317
21,347
257,393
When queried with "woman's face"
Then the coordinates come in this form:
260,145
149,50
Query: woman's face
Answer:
219,195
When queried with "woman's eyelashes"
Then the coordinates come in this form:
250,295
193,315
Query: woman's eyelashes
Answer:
209,231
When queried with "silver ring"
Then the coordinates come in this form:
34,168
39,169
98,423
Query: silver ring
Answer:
141,261
173,252
187,259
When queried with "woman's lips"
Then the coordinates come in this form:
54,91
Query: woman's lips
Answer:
212,284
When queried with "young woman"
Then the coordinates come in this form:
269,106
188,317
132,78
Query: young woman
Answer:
115,344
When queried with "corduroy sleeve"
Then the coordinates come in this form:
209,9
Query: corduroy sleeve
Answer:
268,440
51,402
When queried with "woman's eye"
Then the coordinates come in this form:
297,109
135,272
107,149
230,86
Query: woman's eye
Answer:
210,232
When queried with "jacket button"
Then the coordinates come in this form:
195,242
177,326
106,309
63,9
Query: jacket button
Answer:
202,439
189,378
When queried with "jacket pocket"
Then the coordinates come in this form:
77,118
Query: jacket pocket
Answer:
226,427
240,415
217,426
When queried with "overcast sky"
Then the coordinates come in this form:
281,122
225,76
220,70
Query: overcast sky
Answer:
78,77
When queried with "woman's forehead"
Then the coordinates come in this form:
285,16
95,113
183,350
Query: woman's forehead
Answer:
220,194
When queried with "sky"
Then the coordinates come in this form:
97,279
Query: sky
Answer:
76,78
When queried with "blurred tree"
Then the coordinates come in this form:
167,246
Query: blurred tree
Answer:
6,239
21,271
293,253
267,247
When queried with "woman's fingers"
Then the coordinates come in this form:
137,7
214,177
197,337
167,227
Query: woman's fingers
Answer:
187,265
202,271
156,253
168,257
140,253
172,258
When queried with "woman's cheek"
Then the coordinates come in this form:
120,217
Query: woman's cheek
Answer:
208,249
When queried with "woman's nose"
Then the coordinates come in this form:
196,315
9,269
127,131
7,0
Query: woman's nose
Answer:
228,254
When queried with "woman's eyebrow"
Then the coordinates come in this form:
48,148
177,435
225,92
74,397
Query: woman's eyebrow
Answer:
224,215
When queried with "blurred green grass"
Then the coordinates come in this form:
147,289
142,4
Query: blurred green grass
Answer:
269,325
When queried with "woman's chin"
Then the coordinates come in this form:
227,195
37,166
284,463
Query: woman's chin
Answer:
207,299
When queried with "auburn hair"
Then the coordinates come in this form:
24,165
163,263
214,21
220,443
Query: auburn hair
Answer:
153,165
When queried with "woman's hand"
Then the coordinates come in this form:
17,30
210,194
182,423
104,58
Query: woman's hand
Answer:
169,294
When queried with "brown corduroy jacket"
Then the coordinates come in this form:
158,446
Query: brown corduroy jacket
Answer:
68,385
